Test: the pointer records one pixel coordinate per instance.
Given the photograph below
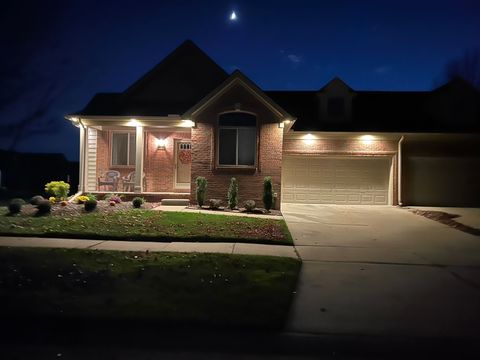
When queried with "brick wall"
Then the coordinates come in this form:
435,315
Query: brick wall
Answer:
158,165
269,150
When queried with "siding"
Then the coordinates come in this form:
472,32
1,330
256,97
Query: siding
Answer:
91,160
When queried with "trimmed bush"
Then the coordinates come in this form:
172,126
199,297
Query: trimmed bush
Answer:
15,206
43,208
59,189
233,193
201,191
138,202
90,205
249,205
36,199
267,193
214,204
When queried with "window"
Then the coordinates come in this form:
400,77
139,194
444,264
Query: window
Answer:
237,139
123,148
336,107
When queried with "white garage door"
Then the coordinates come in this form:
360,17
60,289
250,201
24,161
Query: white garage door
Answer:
336,180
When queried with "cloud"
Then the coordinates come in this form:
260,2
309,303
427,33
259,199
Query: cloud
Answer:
382,70
295,59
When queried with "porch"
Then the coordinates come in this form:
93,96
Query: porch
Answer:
113,152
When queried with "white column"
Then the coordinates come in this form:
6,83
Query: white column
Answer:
139,160
81,174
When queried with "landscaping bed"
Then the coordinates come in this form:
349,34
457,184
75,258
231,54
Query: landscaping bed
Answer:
141,224
447,219
83,286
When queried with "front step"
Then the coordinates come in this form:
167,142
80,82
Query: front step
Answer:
175,202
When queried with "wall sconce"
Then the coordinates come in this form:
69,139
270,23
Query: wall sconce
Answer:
160,143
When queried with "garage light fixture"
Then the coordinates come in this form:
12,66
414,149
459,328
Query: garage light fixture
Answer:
309,138
367,139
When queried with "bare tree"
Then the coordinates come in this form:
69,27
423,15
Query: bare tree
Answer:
466,67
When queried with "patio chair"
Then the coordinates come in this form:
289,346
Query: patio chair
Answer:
109,179
129,182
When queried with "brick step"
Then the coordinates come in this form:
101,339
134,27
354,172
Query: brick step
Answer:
175,202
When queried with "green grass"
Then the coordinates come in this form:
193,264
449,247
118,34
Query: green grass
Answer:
236,291
147,225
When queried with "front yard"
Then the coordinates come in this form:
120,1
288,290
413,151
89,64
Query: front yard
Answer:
75,287
147,225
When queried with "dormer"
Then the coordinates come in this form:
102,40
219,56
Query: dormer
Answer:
335,102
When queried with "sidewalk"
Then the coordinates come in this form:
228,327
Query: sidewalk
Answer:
207,247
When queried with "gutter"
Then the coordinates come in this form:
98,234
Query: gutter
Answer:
399,175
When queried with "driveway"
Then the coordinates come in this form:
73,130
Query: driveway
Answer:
381,270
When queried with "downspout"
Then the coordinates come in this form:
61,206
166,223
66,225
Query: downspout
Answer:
399,175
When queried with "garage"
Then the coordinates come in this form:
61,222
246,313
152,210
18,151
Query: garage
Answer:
336,180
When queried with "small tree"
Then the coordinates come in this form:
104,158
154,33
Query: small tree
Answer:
233,193
201,190
267,193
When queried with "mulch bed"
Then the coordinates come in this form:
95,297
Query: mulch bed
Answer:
73,209
447,219
222,209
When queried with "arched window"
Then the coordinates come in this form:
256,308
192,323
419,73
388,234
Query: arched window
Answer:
237,139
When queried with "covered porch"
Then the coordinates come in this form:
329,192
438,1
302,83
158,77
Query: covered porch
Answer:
115,150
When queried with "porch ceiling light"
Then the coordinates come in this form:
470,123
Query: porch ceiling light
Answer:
188,123
160,143
133,122
367,139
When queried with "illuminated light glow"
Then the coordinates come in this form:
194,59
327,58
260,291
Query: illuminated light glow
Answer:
309,139
281,125
160,143
233,16
187,123
133,122
367,139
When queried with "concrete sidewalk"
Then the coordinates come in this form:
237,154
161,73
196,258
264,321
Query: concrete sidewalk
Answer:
212,247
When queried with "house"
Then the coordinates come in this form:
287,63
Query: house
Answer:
187,117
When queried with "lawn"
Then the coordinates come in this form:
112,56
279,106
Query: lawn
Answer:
208,290
148,225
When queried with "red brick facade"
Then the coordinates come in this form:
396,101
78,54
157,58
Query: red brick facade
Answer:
269,149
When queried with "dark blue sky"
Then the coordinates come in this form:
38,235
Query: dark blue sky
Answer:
62,52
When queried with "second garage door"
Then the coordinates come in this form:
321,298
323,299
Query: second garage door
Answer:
336,180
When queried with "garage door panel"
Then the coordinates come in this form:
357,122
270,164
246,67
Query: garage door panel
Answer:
336,180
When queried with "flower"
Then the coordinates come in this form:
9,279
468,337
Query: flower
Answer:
81,199
52,199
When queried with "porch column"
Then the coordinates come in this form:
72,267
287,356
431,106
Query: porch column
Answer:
139,159
81,170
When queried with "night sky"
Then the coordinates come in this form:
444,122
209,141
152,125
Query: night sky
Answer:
57,54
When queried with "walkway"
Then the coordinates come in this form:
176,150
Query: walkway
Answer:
208,247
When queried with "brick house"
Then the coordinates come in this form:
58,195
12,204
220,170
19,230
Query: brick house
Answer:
187,118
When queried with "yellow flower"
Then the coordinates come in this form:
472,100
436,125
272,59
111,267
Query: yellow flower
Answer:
52,199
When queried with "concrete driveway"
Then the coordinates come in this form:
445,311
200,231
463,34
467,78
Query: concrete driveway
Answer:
383,271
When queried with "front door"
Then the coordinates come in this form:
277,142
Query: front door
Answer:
183,162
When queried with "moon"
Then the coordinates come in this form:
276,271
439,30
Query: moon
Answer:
233,16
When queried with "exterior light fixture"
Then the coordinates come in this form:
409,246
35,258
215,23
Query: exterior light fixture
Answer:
133,122
367,139
188,123
160,143
309,138
282,124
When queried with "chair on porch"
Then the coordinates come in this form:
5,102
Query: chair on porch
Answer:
109,179
128,182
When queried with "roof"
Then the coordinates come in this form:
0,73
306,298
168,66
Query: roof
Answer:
187,78
171,87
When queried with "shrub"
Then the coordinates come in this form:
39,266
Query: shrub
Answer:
43,208
214,203
91,196
36,199
233,193
201,190
90,205
81,199
249,205
59,189
15,206
114,197
137,202
267,193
